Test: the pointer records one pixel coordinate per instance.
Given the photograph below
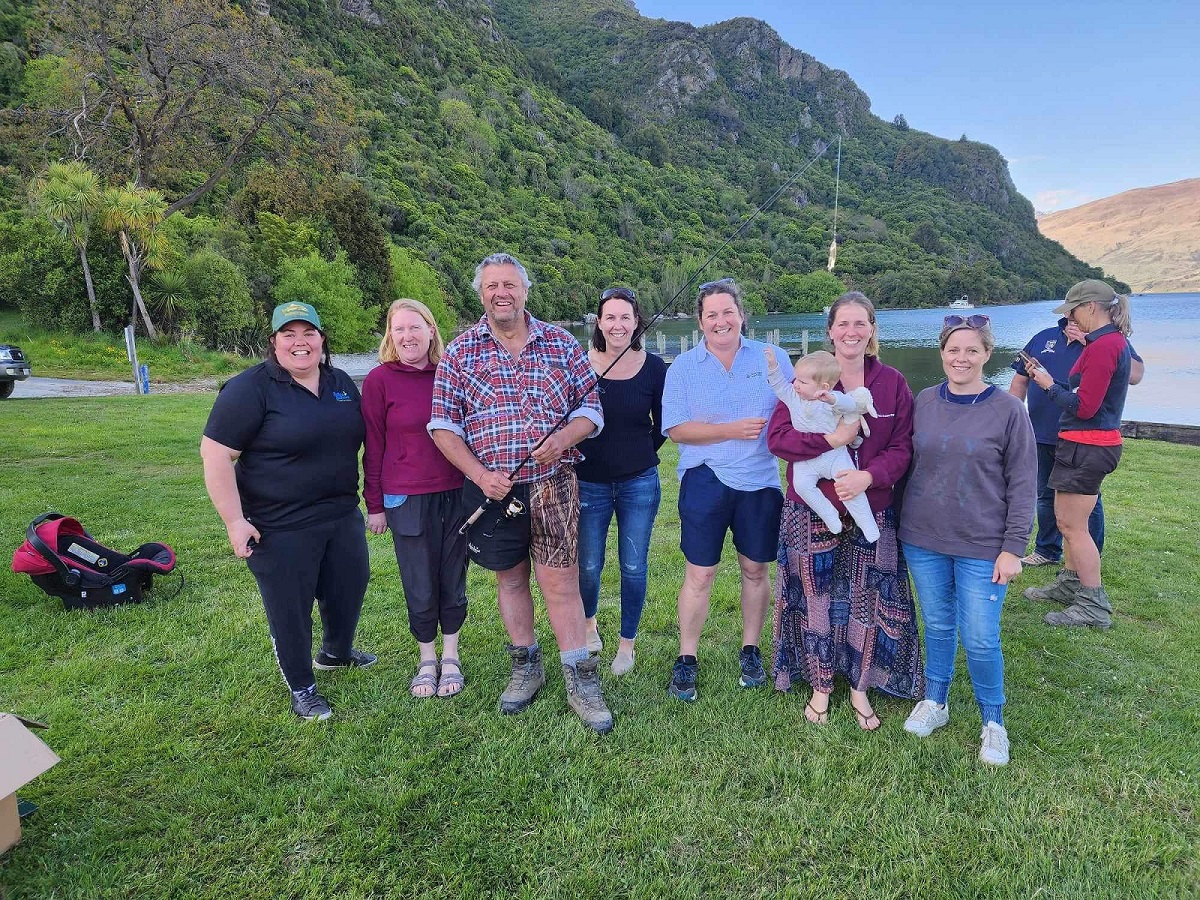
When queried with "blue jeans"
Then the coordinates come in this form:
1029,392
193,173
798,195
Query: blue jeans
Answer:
1049,538
958,599
635,502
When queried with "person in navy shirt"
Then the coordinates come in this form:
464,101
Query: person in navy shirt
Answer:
619,470
1056,350
280,453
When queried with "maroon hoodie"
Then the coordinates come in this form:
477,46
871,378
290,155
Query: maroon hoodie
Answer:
886,454
400,456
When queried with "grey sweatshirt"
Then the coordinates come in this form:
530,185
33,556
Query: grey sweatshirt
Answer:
973,483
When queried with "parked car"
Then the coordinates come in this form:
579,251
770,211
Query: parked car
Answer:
14,367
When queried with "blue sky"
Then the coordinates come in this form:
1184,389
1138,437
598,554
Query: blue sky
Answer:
1083,99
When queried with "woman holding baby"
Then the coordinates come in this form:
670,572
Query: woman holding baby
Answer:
843,603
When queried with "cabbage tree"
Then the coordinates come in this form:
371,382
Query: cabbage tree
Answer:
70,196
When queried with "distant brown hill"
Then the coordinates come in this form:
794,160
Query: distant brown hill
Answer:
1148,237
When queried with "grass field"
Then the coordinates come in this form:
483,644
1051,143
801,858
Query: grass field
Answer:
185,775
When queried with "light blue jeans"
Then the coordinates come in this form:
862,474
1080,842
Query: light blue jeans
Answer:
959,600
635,502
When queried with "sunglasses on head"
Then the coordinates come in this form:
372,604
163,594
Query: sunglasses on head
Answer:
976,321
623,292
720,283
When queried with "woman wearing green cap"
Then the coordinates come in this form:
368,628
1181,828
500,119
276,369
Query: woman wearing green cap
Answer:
280,455
1089,445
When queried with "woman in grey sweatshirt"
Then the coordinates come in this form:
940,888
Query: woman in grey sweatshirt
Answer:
965,522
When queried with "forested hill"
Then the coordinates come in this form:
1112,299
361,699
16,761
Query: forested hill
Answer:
344,151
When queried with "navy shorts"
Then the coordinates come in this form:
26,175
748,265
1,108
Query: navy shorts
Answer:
708,509
1079,468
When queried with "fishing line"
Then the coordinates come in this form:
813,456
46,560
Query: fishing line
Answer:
638,333
837,183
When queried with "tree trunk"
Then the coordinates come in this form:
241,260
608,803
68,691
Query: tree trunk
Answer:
91,288
134,278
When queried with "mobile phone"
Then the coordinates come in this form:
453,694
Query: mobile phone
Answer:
1027,359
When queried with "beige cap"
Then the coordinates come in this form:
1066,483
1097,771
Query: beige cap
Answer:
1092,290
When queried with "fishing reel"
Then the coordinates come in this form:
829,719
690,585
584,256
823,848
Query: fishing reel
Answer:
514,509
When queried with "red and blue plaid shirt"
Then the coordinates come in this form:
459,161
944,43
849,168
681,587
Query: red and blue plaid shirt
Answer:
502,406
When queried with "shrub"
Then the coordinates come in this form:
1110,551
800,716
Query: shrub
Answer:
805,293
40,275
331,288
416,279
220,308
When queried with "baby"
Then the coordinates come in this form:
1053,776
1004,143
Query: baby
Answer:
815,407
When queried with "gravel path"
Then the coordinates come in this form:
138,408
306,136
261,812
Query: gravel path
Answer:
357,365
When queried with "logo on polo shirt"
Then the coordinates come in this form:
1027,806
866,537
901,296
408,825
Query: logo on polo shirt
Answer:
1049,348
341,396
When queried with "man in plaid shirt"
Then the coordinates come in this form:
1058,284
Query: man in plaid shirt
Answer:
501,385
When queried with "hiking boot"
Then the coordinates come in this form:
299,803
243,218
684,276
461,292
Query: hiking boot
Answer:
1035,559
926,718
1089,609
356,660
528,676
683,680
1063,589
750,659
584,697
993,745
310,706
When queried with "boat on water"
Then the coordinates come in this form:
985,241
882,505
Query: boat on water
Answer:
962,303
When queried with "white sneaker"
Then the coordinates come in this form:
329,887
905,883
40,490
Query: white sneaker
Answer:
926,718
594,643
993,748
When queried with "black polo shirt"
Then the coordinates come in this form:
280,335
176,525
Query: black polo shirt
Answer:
299,462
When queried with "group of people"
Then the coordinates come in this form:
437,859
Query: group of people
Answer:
513,448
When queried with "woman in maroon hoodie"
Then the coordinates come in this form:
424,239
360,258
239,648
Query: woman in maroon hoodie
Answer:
842,604
411,489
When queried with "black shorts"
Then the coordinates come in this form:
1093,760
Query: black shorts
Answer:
546,528
1079,468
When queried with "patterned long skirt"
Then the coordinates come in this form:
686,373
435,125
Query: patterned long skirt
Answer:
844,606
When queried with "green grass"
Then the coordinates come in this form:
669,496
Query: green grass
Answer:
185,775
102,357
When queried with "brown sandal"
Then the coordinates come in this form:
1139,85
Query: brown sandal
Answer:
424,679
816,717
865,719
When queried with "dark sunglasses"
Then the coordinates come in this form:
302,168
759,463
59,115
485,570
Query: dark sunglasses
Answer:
623,292
976,321
710,285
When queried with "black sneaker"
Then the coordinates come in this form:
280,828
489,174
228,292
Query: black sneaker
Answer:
753,673
310,706
683,680
356,660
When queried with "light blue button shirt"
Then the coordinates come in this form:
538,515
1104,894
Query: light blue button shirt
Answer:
699,389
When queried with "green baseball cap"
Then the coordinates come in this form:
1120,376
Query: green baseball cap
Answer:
294,311
1092,290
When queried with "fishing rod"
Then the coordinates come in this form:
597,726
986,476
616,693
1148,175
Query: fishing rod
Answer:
516,507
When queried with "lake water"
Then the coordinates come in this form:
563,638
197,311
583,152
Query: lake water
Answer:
1166,333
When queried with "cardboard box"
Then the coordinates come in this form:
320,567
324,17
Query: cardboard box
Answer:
22,758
